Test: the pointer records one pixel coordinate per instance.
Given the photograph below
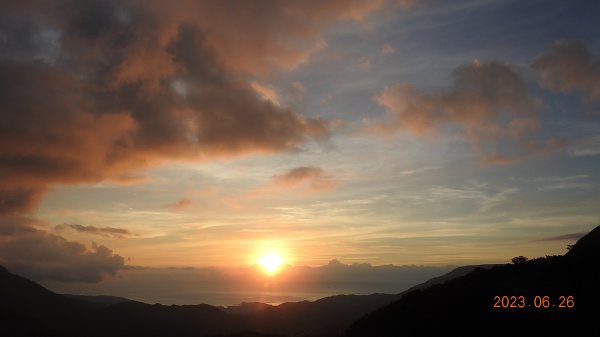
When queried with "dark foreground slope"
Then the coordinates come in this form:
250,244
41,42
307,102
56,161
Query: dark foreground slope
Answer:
28,309
466,304
329,316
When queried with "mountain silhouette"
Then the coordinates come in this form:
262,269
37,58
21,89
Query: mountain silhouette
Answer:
28,309
465,304
460,301
457,272
329,316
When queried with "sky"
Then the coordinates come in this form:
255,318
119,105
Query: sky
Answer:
144,135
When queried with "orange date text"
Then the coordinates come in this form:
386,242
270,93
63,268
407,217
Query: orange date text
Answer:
537,302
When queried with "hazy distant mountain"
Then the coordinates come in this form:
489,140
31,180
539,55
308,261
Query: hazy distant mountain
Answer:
466,304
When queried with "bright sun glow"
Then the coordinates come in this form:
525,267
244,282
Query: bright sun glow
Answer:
270,263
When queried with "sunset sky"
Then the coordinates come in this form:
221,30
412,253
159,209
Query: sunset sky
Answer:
208,133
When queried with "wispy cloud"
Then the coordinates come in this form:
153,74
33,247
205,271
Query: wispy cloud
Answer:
119,233
181,204
586,147
565,237
312,178
568,182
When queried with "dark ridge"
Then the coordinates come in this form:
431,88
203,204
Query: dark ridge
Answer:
329,316
100,301
460,301
586,248
466,304
28,309
458,272
141,319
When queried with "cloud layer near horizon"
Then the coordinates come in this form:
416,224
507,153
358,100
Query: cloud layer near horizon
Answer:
27,249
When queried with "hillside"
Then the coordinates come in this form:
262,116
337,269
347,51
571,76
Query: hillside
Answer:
466,304
329,316
460,301
458,272
28,309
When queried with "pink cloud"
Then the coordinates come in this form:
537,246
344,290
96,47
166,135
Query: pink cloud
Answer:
312,178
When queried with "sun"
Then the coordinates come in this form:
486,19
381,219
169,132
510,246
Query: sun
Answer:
271,263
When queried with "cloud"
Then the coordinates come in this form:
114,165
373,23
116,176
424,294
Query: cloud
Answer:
267,92
276,34
568,66
565,237
586,147
180,205
307,282
387,50
405,3
299,88
487,101
313,178
102,231
298,91
15,225
19,198
97,90
569,182
365,62
39,255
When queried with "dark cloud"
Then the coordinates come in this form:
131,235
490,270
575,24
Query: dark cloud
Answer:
565,237
15,225
569,66
181,204
20,198
313,178
96,90
487,101
102,231
40,255
276,34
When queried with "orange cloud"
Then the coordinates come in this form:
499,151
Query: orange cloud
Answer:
129,85
267,92
95,91
277,34
488,101
181,204
569,66
313,178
